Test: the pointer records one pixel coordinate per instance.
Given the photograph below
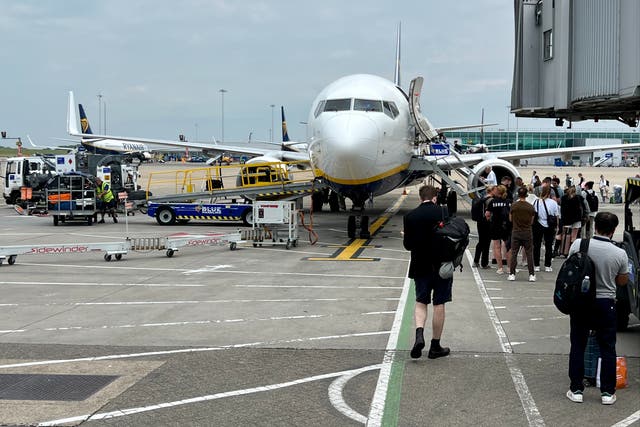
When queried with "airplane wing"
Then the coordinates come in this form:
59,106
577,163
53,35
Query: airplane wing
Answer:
451,162
68,148
240,148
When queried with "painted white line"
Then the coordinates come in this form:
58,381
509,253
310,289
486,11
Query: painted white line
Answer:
376,411
318,286
234,393
629,420
493,289
151,285
204,322
190,350
182,270
12,331
526,399
8,305
225,301
336,399
534,319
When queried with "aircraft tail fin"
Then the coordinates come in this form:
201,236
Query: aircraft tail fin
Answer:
285,133
84,122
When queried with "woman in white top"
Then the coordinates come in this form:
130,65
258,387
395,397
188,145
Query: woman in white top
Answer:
604,188
544,228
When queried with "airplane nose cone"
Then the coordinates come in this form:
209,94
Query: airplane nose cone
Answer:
347,146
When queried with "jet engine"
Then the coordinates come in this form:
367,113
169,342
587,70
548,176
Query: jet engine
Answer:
500,167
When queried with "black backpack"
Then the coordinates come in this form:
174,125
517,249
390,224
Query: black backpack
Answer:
592,200
451,239
567,295
477,209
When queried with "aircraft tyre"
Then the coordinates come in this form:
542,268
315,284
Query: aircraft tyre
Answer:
334,202
165,216
452,202
351,227
247,217
55,220
364,227
317,200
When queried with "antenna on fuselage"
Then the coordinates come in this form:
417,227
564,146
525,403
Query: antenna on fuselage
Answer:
396,76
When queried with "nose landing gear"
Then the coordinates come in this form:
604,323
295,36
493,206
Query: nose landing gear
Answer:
358,222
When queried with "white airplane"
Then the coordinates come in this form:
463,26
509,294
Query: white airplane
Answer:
101,145
364,131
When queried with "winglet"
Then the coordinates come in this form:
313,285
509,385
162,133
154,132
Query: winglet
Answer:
72,119
31,142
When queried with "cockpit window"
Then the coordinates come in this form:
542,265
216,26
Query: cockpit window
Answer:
319,108
337,105
390,109
367,105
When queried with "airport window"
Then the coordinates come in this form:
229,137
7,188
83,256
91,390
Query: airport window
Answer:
367,105
548,45
319,108
390,109
337,105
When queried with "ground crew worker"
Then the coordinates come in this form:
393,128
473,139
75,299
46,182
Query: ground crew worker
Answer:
106,200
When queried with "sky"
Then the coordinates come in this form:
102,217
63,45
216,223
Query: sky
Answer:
159,65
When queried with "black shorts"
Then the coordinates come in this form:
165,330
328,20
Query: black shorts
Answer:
440,287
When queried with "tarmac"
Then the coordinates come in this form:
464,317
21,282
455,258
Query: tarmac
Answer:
314,335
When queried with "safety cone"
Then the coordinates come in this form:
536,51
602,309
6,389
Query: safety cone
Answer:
404,191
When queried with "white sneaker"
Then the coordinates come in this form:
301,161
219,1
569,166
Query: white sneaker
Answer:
548,269
532,277
577,396
500,271
536,268
511,277
608,399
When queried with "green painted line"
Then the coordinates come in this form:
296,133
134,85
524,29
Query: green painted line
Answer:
394,390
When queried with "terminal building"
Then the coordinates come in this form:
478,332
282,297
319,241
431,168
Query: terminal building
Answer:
577,60
536,139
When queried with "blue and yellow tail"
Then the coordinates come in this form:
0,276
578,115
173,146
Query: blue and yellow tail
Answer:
285,134
84,122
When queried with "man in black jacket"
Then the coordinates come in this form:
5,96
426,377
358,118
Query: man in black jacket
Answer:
419,225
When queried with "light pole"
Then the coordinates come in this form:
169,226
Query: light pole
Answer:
104,103
272,107
222,92
99,112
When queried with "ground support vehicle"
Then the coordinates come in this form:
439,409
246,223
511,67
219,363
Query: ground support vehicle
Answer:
171,213
170,244
628,297
275,223
71,197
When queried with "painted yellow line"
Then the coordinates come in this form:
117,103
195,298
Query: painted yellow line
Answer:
350,252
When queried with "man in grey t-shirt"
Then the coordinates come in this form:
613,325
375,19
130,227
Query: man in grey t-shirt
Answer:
612,268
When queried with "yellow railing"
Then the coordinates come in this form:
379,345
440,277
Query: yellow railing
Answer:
215,178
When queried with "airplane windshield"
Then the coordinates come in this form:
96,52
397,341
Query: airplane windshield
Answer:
367,105
337,105
390,109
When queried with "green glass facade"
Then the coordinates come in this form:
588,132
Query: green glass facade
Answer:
527,140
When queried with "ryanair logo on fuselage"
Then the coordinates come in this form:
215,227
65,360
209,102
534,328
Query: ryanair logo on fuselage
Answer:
133,147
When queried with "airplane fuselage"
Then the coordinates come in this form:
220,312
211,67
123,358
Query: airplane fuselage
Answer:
361,136
111,146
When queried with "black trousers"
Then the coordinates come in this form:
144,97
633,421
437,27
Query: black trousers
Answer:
484,241
547,234
602,317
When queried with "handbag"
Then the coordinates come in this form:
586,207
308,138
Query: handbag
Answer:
552,220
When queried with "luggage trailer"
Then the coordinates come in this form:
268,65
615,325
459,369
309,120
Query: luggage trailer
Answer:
170,244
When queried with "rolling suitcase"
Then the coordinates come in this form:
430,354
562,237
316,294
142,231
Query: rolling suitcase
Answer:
565,241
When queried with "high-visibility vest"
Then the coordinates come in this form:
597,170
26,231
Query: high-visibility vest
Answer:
108,194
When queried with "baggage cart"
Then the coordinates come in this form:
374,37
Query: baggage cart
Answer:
71,197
